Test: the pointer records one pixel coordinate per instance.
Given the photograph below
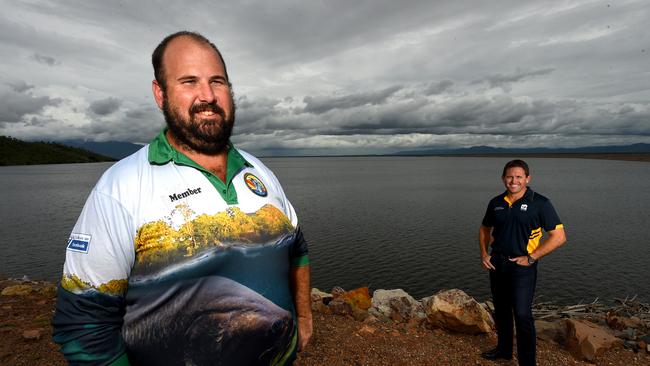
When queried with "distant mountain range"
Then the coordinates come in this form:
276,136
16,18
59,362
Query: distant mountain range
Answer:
17,152
487,150
114,149
118,150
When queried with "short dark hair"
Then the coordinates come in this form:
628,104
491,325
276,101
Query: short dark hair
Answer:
516,164
159,52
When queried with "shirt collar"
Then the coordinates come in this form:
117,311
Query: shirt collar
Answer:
162,152
528,195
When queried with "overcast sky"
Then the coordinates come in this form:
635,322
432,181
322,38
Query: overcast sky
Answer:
340,77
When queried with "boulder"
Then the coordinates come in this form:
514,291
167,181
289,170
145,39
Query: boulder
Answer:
17,290
359,298
622,322
587,340
337,291
552,331
339,307
456,311
394,304
318,295
319,301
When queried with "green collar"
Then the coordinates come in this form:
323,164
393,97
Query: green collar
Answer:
161,153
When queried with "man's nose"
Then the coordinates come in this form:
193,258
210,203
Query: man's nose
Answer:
206,93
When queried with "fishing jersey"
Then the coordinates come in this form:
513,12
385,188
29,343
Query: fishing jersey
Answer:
517,226
168,265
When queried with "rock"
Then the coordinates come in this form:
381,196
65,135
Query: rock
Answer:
32,335
337,291
629,334
646,338
358,298
587,340
17,290
370,319
621,323
319,307
489,306
48,290
339,307
320,296
359,315
552,331
456,311
631,345
393,304
319,301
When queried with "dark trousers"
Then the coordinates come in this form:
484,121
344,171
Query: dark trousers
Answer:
513,287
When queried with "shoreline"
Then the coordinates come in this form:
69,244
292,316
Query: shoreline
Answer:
351,327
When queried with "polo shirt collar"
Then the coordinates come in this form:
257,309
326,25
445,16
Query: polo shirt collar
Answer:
161,153
528,195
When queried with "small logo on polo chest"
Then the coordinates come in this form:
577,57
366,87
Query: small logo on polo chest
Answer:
255,185
524,207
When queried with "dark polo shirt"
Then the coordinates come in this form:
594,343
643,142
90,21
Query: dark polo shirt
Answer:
517,226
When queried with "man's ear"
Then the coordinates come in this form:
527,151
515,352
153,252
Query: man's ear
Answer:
158,93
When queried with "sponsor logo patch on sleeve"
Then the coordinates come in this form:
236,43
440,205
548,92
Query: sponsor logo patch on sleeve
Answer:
79,243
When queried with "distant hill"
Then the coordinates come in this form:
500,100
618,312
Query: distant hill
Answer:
114,149
17,152
487,150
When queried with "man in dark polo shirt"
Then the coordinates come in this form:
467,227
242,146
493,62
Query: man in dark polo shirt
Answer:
512,227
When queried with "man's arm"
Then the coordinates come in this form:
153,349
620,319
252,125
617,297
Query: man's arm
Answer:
301,291
484,238
90,305
555,239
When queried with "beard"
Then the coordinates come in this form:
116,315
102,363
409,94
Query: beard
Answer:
205,136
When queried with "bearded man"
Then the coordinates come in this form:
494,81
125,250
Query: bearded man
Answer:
187,252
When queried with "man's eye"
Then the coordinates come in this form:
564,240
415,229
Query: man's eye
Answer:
189,81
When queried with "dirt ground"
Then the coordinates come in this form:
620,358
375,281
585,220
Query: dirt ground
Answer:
26,340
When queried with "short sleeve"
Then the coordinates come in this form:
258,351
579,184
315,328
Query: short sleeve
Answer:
100,249
90,306
549,218
488,219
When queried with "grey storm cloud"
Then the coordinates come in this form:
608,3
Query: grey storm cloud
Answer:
47,60
321,104
380,74
474,114
139,123
105,106
437,87
14,104
500,80
20,86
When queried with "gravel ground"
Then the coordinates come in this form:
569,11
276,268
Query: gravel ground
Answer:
26,340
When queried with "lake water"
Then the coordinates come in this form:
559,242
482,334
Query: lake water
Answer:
390,222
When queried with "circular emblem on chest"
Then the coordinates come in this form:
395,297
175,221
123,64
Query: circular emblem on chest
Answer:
255,185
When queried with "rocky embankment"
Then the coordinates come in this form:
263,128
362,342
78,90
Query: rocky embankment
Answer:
388,328
587,331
